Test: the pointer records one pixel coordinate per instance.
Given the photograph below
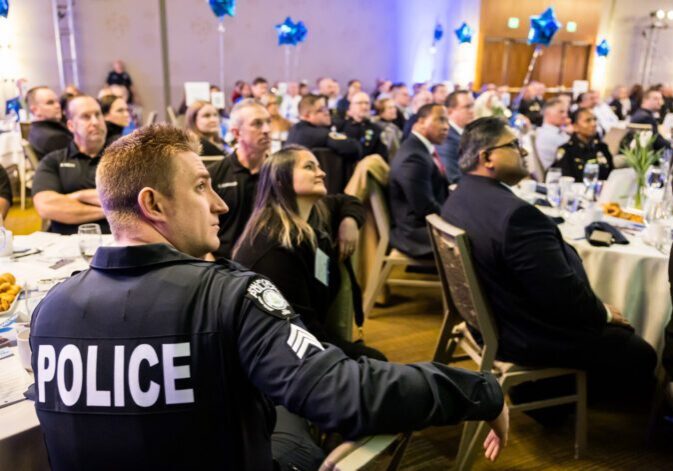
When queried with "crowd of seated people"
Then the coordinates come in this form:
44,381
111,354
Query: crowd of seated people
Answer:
280,223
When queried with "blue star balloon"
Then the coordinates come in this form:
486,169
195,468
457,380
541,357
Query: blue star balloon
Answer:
438,34
464,34
285,32
603,49
13,105
300,32
221,7
4,8
543,27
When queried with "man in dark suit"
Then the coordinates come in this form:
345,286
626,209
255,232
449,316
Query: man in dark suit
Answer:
47,131
546,312
460,106
418,184
651,104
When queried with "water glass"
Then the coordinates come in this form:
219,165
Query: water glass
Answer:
590,177
553,175
554,194
89,239
655,178
570,202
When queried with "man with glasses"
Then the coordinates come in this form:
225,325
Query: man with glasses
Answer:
313,130
546,312
460,105
359,127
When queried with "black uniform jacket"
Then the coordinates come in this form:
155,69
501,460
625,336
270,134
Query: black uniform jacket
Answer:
153,359
643,116
311,136
573,156
368,134
47,136
540,295
417,189
293,270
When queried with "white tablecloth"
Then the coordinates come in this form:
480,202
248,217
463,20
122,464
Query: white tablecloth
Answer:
11,151
633,277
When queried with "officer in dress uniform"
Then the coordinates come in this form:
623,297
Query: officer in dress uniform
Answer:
156,359
584,147
358,125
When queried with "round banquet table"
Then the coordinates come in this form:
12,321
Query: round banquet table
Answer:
633,278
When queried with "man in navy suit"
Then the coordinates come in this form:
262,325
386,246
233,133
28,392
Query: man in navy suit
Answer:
418,184
460,105
651,104
546,312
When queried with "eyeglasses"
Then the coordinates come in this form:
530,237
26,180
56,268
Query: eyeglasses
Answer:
515,144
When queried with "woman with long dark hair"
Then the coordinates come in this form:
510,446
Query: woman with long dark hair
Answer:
296,236
203,119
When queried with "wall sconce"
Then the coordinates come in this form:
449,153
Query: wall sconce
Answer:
571,26
513,22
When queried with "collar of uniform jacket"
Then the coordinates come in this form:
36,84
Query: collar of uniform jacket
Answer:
134,256
74,152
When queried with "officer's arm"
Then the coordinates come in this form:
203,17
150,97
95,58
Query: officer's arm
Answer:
356,398
344,146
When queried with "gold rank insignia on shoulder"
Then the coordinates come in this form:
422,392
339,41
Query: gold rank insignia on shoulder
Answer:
560,153
337,136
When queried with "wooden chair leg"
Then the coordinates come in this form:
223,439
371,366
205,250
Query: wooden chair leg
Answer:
380,282
581,415
474,446
466,437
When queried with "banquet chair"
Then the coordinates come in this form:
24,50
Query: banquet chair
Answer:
386,257
172,118
638,127
375,453
151,118
466,305
613,139
25,129
537,170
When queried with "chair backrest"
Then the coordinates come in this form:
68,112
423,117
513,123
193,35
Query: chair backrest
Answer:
537,170
639,127
172,119
30,153
151,118
379,205
461,288
25,129
613,139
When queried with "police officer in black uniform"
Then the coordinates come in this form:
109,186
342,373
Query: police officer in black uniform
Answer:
313,130
584,147
358,125
532,102
235,177
156,359
64,185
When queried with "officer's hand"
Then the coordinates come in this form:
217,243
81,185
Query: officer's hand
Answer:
347,238
336,455
497,437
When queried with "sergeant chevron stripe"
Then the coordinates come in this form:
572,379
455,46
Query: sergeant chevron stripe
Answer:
300,339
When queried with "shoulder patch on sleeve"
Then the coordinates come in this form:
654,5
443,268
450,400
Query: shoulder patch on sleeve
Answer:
269,299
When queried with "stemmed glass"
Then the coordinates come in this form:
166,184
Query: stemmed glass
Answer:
89,239
590,178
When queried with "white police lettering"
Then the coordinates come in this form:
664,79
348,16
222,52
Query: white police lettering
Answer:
268,296
126,379
300,339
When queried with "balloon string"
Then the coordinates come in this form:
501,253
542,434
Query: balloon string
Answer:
536,53
296,62
221,30
287,63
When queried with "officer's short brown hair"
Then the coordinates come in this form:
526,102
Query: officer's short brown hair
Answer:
306,103
141,159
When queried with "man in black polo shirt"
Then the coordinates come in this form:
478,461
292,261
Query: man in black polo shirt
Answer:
5,192
235,177
64,185
47,132
358,126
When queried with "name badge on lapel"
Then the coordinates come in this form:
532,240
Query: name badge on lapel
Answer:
322,267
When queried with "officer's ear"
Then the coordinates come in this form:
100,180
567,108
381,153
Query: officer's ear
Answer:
152,204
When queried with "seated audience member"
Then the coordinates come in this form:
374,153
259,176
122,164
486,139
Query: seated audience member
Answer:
241,91
216,337
545,310
532,101
279,125
439,93
293,226
47,132
304,89
259,88
418,184
118,76
391,135
64,185
354,86
359,127
329,88
402,100
651,104
423,97
289,107
5,192
621,104
460,107
313,130
636,93
551,135
235,177
583,147
203,119
382,89
117,117
667,107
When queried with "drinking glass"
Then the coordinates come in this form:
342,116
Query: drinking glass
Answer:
89,239
553,175
655,178
590,177
554,194
570,202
